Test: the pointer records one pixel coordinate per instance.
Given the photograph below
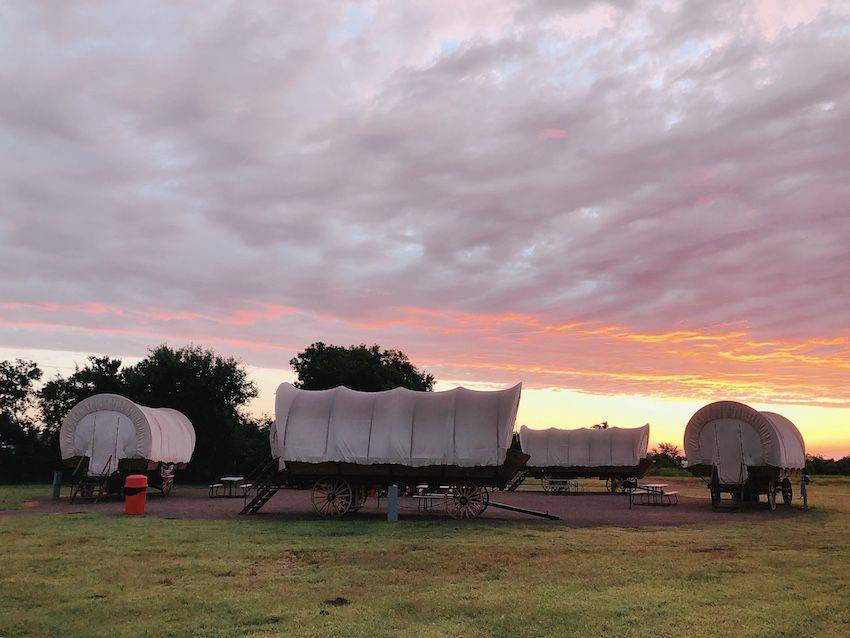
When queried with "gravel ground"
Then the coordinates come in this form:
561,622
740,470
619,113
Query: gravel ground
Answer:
589,509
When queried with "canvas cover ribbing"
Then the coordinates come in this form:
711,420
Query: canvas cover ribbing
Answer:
109,425
733,436
584,447
456,427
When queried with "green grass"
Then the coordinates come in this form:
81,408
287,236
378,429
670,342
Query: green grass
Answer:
92,575
13,497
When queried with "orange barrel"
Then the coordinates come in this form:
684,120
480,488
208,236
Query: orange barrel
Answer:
135,488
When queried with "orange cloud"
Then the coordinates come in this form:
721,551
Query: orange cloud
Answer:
705,362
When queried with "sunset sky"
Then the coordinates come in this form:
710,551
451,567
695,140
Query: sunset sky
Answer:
634,208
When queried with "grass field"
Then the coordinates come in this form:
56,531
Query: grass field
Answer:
92,575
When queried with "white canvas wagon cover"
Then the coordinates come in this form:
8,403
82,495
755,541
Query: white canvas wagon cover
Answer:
108,427
585,447
457,427
733,436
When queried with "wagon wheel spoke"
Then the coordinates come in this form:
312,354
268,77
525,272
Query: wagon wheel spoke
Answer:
324,507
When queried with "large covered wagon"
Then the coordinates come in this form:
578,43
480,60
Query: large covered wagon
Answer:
107,436
744,453
616,455
343,444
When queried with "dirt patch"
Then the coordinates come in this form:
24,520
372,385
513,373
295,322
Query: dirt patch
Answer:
579,510
715,549
339,601
285,561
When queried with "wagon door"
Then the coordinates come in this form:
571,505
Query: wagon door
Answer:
104,435
725,438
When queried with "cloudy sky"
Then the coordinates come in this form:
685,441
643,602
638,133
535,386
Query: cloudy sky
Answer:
632,207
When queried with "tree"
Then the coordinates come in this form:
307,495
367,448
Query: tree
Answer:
370,369
17,379
21,450
212,391
667,455
60,394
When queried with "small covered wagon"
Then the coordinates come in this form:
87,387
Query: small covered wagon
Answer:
107,436
343,445
745,453
615,455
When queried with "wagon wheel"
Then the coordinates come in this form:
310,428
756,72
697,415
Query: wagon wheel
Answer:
547,485
737,497
715,496
359,496
771,494
331,497
787,492
87,490
467,500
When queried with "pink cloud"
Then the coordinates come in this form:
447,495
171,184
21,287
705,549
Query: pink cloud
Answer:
689,238
551,134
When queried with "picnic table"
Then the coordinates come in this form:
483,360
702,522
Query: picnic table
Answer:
652,494
227,486
426,500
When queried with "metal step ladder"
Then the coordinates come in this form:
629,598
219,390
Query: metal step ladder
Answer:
264,494
264,477
516,482
89,489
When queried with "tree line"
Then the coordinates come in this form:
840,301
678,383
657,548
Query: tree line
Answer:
211,390
668,457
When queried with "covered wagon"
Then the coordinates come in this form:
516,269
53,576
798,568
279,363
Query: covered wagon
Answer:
616,455
743,452
107,436
343,444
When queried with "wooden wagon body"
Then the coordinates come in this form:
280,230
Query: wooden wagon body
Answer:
761,480
344,445
615,455
618,478
744,453
88,481
106,437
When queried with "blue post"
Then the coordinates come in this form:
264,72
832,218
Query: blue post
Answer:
392,504
57,484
